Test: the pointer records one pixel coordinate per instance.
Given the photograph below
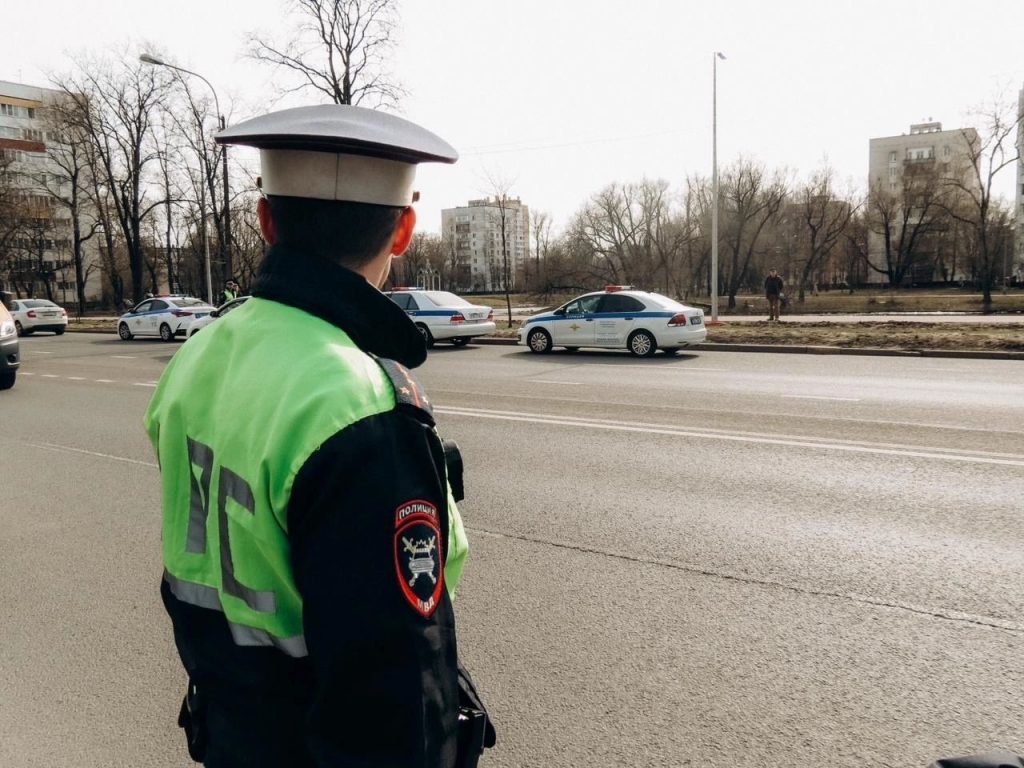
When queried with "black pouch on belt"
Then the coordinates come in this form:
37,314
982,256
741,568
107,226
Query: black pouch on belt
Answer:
476,732
193,720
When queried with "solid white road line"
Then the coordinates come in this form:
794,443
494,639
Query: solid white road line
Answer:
69,449
821,397
796,441
549,381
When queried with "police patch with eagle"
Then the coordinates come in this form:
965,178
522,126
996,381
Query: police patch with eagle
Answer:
419,555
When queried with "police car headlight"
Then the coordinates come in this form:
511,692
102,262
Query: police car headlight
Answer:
7,329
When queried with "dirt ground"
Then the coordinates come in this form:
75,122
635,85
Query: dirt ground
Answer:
866,334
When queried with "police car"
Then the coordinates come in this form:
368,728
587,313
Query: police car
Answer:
204,320
617,317
443,316
163,316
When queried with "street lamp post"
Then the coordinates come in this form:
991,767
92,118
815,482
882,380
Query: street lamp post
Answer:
147,59
714,184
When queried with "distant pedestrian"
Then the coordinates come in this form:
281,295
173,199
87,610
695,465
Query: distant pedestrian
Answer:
773,292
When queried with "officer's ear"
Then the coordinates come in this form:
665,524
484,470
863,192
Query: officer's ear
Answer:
403,232
267,228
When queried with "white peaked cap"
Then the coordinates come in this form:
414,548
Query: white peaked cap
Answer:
339,152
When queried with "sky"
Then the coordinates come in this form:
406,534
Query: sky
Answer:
560,98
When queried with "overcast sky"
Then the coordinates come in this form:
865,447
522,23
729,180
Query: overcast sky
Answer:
563,97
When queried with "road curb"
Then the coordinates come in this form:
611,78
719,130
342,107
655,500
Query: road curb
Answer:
811,349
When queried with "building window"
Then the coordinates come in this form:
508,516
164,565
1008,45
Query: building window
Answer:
892,157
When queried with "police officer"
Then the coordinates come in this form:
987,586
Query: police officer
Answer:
311,542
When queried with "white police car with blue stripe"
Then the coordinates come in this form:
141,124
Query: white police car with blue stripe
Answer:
618,318
443,316
163,316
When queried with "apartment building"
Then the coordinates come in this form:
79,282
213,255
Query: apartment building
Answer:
36,241
473,234
898,164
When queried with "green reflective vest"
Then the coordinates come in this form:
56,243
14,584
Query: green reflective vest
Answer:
229,448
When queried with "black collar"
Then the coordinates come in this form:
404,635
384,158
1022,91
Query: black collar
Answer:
341,297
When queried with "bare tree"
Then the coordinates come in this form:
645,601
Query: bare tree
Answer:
337,47
907,221
823,219
502,218
540,226
117,101
989,151
750,200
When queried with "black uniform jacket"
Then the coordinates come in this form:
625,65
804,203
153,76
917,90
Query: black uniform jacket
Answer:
379,686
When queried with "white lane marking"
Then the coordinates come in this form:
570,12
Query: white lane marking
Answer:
732,412
69,449
104,381
39,352
76,378
144,383
854,446
820,397
124,357
50,376
646,368
550,381
25,373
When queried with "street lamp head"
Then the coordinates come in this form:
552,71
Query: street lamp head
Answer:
720,55
147,59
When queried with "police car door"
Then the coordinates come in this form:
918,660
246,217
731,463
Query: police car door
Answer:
576,327
157,315
615,319
138,321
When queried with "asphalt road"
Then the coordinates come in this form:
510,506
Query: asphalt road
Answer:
711,560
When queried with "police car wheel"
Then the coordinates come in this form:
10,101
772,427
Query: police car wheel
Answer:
427,335
539,341
461,341
166,334
124,332
18,328
641,344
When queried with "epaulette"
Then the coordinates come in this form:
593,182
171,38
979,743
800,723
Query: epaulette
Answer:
408,391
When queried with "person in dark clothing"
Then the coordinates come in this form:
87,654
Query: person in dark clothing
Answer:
311,538
773,292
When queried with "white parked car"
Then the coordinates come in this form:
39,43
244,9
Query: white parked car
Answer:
617,317
31,315
163,316
204,320
443,316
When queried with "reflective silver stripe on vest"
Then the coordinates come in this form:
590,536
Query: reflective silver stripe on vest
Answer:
203,596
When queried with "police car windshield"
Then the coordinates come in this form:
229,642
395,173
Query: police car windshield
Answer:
445,299
665,302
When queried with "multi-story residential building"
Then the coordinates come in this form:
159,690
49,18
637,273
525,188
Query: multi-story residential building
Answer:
36,244
472,235
907,166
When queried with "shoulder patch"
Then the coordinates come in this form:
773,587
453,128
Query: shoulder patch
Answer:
419,556
407,389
